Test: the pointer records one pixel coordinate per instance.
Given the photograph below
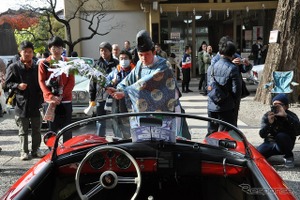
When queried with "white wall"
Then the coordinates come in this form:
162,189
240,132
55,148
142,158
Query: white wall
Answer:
129,24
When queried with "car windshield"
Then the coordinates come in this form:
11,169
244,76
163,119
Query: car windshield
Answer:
154,127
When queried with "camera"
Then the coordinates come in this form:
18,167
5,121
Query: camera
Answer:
243,61
274,109
53,86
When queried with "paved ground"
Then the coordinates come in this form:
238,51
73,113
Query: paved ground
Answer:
250,113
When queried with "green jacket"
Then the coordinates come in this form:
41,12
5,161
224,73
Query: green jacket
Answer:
206,60
201,63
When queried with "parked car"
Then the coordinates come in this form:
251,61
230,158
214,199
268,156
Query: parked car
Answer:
257,72
152,164
80,93
254,75
6,59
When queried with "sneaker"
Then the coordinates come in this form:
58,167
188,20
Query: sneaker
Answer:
289,162
37,154
24,156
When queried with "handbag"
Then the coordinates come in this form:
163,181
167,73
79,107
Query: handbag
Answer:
216,92
245,91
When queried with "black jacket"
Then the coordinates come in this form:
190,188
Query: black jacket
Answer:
27,101
96,92
289,125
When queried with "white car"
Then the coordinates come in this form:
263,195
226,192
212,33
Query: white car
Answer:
254,75
80,93
257,72
6,59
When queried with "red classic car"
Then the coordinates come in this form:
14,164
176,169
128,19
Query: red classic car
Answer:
146,156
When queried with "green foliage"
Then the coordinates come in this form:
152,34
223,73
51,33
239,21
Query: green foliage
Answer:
39,35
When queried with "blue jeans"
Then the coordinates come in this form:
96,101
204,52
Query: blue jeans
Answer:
283,145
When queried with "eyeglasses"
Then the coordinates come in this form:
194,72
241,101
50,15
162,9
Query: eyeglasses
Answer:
56,48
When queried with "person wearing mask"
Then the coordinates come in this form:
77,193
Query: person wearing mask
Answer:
118,106
97,92
225,73
279,128
22,80
186,69
117,75
57,91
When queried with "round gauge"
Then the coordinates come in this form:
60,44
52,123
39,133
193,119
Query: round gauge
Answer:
97,161
123,162
110,154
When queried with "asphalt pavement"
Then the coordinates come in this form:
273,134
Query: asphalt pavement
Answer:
194,103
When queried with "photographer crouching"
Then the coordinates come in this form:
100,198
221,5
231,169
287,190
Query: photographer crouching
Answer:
279,128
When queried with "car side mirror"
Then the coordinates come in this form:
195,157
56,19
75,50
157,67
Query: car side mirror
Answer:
49,139
230,144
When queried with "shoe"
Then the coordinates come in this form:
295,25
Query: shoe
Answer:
289,162
37,154
24,156
184,91
188,90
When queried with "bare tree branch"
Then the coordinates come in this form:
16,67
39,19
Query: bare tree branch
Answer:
93,19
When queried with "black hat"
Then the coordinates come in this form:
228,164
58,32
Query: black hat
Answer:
144,42
282,98
105,45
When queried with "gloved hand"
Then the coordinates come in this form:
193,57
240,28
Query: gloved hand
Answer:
92,103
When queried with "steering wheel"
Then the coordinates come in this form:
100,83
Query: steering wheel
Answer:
108,179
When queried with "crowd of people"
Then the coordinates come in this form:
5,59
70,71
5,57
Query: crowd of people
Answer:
35,89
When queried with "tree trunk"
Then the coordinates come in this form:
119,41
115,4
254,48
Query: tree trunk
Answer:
284,55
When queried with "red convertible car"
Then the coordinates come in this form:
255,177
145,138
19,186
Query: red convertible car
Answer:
146,156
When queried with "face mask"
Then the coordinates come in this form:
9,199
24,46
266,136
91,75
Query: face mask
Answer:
124,63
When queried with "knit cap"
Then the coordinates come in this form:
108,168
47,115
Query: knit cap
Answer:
282,98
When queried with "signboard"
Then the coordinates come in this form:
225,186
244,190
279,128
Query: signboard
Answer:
248,35
274,36
173,41
175,36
